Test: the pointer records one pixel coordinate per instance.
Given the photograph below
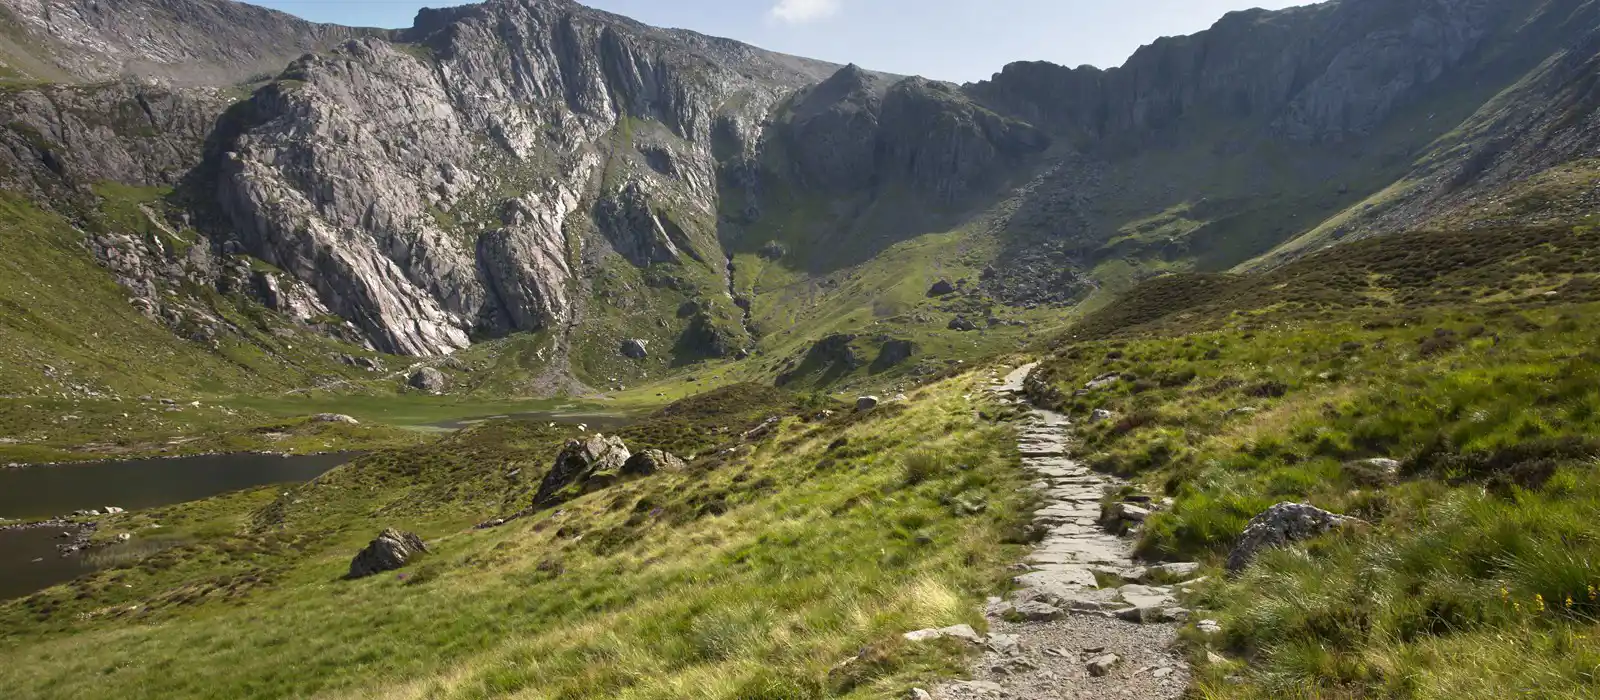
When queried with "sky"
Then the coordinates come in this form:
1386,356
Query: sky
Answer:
957,40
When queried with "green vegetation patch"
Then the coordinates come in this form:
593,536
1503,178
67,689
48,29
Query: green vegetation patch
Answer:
786,565
1475,577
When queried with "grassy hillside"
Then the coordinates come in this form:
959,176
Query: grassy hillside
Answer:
754,574
1469,359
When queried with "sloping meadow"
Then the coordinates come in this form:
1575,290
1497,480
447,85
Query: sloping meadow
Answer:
1476,576
784,564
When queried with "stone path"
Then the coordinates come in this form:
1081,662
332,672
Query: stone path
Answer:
1059,635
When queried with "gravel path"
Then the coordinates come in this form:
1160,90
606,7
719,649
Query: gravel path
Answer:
1059,635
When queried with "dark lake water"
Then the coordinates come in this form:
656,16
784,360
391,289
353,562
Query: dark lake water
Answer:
39,492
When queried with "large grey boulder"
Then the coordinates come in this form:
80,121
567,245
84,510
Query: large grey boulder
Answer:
429,379
1281,525
651,461
634,348
391,550
581,462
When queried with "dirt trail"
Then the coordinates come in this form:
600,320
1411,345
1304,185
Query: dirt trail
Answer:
1059,635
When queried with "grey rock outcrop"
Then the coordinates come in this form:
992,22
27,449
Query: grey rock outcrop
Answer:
597,457
391,550
192,42
1280,525
430,380
649,462
334,418
438,191
634,348
893,353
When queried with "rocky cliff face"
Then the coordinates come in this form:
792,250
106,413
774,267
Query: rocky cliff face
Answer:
1328,72
54,139
186,42
528,165
430,189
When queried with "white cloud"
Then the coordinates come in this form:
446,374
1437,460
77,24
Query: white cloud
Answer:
802,11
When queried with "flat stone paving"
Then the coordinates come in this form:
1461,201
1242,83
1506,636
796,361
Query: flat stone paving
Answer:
1051,639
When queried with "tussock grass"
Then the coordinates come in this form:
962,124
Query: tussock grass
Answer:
1479,539
812,557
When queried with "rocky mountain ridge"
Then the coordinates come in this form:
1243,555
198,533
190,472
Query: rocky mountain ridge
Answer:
536,166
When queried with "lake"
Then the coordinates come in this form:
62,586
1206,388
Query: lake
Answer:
40,492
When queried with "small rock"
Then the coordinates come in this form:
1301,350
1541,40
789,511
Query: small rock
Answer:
113,510
1209,626
1175,570
1101,666
964,632
1162,672
1128,511
124,537
1038,611
1005,644
1101,415
978,687
918,694
334,418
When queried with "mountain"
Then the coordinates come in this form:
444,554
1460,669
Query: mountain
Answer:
190,42
539,173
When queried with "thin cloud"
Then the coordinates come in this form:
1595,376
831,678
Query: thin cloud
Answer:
803,11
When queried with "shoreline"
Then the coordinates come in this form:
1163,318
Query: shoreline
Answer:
189,455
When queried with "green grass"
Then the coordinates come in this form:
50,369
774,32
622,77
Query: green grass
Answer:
1440,350
752,575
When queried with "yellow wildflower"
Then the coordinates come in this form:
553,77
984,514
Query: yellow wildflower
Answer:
1538,603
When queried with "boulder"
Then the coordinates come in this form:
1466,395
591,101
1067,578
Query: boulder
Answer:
1100,666
581,462
941,288
1280,525
964,632
1129,511
651,461
1373,473
391,550
866,403
893,353
113,510
962,323
634,348
334,418
428,379
1037,611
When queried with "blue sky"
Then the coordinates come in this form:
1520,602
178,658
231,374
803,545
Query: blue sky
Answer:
959,40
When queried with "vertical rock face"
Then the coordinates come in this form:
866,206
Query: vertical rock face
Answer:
428,189
54,137
856,129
